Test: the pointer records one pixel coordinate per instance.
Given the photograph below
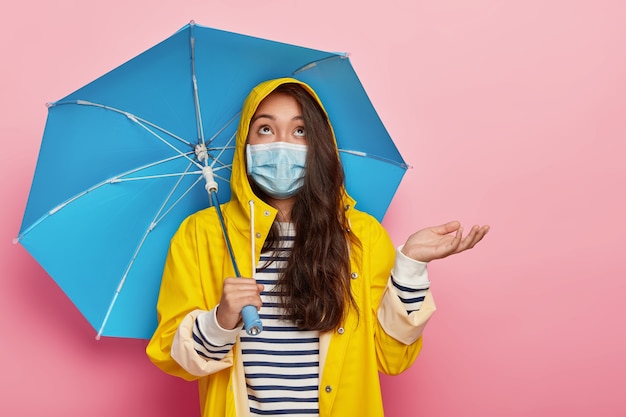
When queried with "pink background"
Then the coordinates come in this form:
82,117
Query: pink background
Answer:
511,113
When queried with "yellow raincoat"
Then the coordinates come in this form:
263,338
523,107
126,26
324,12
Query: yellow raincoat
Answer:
382,338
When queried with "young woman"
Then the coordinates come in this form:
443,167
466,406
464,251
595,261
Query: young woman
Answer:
338,302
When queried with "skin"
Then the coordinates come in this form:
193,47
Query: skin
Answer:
279,119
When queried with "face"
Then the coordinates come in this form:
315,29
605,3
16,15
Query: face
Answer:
277,119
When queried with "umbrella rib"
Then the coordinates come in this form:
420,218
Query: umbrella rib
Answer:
152,177
160,215
112,180
362,154
175,203
196,96
228,167
140,121
194,80
183,154
223,149
173,174
120,177
319,61
228,123
196,99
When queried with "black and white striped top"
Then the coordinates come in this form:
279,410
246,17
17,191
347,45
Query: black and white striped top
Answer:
281,364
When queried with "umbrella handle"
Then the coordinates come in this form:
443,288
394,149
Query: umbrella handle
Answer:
251,321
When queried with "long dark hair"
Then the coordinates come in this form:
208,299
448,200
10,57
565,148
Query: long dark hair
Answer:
314,288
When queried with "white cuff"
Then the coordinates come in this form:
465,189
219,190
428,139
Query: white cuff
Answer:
409,272
211,329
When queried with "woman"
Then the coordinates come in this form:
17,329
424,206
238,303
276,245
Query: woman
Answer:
337,301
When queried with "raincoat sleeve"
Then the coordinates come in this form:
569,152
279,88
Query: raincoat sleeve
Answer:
398,334
401,324
181,301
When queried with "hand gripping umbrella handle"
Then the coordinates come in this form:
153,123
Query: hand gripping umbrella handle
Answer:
251,321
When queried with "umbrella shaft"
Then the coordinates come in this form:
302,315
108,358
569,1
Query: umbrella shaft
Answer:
252,322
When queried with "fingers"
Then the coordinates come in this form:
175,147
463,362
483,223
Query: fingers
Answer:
475,235
468,240
480,234
240,292
457,241
236,294
446,228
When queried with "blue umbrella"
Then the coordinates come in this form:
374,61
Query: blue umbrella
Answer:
119,164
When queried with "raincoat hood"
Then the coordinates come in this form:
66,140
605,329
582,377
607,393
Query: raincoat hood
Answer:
240,185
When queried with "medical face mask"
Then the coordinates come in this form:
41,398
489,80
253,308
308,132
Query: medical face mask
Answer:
277,167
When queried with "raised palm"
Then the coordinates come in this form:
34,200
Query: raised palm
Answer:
441,241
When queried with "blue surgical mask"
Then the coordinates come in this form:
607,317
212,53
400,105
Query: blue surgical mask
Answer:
277,167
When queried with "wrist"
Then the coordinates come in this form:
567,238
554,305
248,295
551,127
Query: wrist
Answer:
409,272
415,255
226,321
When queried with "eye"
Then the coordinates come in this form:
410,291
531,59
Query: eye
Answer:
265,130
300,132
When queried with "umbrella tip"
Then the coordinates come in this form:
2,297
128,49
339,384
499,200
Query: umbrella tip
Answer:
49,104
16,240
192,22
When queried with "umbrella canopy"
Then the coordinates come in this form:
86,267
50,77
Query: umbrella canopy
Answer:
118,167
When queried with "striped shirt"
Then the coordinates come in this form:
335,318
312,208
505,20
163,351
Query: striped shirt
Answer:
412,298
281,364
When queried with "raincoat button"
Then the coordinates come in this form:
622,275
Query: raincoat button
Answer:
354,275
266,213
328,388
340,330
258,234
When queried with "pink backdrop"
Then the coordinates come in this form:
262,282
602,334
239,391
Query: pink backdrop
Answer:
511,113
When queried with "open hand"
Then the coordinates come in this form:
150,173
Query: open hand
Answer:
440,241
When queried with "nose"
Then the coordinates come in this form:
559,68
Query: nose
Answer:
282,136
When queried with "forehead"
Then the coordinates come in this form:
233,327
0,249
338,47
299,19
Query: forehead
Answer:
277,104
